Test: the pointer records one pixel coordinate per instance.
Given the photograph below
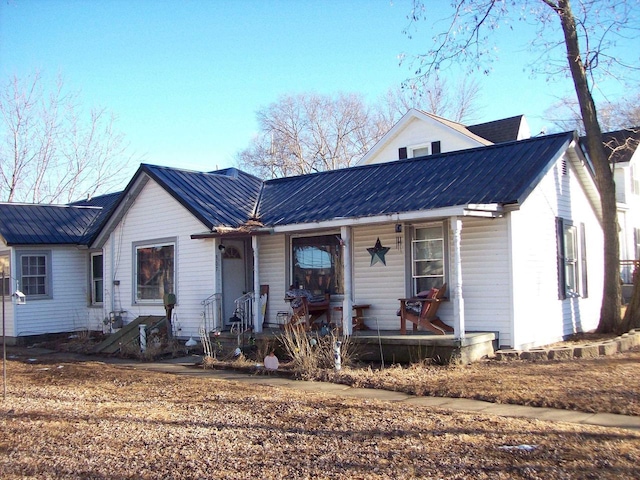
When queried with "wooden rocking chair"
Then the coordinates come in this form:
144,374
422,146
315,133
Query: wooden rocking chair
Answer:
428,313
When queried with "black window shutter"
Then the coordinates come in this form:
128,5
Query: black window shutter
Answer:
402,153
435,147
562,291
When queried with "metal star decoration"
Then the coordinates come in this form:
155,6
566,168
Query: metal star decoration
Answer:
377,253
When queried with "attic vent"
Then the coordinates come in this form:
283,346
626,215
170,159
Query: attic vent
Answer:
565,169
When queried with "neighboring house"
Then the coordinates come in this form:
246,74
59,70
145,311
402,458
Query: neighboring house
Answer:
512,228
419,133
624,156
44,252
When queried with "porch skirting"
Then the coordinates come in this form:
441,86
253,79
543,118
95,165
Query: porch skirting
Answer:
413,348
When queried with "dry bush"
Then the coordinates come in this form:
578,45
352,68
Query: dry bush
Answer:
311,352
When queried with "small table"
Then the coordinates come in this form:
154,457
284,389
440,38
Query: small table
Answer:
358,318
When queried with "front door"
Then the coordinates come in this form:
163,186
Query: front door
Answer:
234,276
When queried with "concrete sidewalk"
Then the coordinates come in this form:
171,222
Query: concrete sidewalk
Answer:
189,366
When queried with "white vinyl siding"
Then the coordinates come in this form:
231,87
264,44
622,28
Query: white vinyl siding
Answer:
379,285
67,309
539,316
273,273
486,286
157,215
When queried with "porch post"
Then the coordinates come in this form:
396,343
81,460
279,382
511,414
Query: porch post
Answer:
218,314
347,302
257,309
456,290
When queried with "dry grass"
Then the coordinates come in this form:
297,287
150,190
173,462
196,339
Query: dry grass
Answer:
93,420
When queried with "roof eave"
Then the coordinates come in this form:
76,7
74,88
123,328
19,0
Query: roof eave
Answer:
487,210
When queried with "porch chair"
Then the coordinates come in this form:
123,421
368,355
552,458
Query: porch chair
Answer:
422,311
306,308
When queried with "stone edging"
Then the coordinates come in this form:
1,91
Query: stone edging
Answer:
622,343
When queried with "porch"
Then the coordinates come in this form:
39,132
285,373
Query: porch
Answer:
387,346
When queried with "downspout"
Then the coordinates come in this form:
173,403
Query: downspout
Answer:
347,302
257,307
458,300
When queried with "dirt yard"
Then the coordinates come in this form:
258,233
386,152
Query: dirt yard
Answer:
64,419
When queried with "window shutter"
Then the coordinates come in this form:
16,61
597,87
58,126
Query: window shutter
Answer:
402,153
562,291
435,147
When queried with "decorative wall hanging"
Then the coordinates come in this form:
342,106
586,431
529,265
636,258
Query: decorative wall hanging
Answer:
398,236
377,253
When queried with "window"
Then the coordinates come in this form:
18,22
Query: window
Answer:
6,283
427,258
570,259
419,151
317,264
35,274
154,271
97,282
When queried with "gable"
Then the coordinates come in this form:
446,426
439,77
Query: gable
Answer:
417,129
220,199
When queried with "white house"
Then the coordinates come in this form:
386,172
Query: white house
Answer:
511,224
512,228
44,252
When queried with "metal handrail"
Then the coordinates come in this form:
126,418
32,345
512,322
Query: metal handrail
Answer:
212,313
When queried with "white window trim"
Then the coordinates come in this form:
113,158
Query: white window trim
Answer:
411,149
161,242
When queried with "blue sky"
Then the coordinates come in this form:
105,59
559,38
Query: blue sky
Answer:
185,78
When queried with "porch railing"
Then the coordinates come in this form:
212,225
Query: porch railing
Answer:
243,313
629,268
212,313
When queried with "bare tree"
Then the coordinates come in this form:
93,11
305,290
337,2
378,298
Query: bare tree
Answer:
50,151
307,133
565,115
588,34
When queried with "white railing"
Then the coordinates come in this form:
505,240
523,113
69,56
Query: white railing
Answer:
212,313
244,313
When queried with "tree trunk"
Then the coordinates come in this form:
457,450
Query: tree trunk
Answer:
610,320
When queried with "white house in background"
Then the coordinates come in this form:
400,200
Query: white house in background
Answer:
624,155
512,228
44,253
420,133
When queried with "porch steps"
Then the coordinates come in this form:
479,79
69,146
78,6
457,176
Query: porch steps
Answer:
126,334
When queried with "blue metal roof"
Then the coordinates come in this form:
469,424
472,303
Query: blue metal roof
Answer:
221,198
22,224
498,174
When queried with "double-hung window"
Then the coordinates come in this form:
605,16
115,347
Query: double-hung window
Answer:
428,258
5,284
97,282
317,264
154,273
572,260
35,274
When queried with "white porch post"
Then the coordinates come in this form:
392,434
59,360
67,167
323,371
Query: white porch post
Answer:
347,302
456,290
257,308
